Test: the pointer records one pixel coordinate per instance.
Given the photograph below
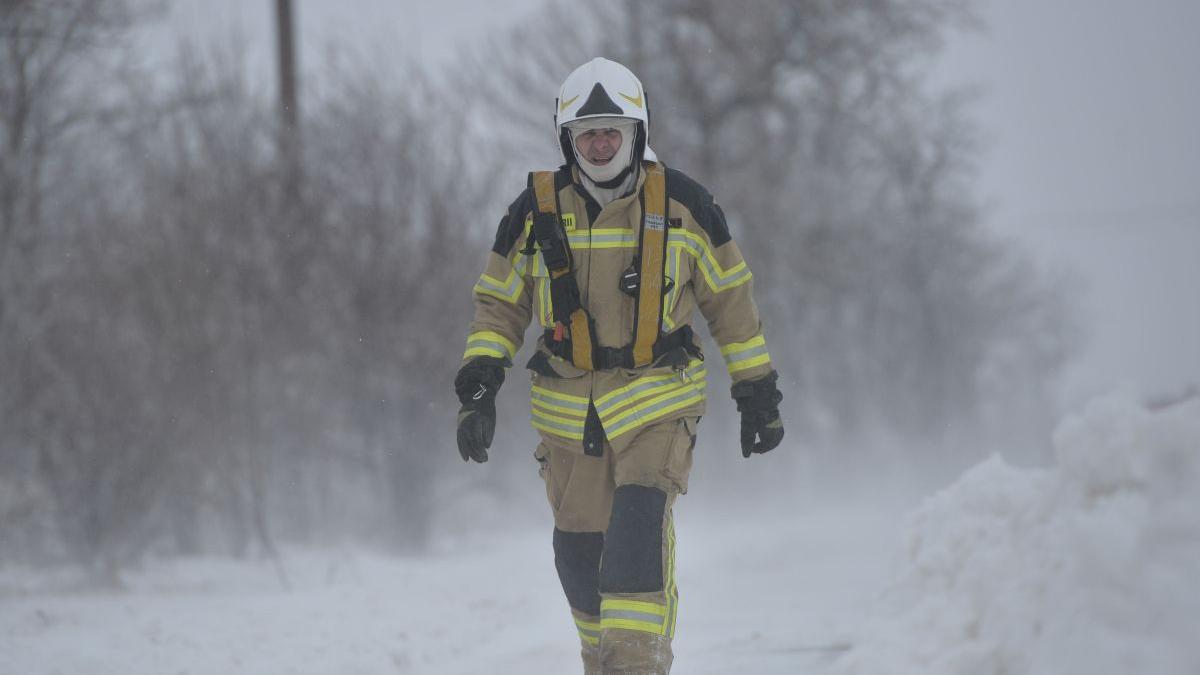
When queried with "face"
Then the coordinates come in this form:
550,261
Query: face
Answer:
598,146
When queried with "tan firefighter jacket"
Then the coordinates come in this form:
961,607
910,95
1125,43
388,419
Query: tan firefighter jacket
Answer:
707,271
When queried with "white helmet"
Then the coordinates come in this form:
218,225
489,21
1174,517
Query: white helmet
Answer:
602,89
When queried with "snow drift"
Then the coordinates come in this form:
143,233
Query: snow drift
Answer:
1092,566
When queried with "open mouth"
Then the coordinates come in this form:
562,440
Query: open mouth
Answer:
601,161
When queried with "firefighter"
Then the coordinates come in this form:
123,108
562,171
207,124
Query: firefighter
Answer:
612,254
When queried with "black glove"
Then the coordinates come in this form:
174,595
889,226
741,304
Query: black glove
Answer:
758,402
476,385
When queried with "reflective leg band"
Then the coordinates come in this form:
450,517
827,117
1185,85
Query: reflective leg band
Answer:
589,630
648,617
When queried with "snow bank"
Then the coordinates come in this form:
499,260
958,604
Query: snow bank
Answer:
1091,567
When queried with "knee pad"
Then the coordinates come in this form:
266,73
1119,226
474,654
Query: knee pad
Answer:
577,559
633,546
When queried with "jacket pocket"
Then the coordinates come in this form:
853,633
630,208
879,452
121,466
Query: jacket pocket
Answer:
679,458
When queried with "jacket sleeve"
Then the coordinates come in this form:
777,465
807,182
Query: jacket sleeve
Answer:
502,294
724,289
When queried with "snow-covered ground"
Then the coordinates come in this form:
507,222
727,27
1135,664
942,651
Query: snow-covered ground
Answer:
1090,567
748,603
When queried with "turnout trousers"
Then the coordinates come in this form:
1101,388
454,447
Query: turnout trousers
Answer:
614,544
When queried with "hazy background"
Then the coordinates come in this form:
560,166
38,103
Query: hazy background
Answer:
963,218
1091,160
1090,149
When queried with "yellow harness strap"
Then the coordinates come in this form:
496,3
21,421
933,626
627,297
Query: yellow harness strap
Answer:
581,333
653,252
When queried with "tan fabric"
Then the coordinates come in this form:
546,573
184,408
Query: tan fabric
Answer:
629,652
580,491
515,288
580,487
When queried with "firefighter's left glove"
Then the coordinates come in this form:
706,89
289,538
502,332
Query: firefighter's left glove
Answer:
758,402
476,385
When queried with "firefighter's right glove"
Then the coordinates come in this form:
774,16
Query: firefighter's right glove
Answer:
476,385
758,402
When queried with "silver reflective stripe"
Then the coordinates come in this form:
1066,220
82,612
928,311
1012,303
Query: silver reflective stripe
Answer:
713,272
490,344
632,615
583,239
648,413
510,289
561,426
639,389
748,354
590,632
731,280
574,405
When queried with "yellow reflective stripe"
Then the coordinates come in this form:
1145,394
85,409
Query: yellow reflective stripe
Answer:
553,431
598,238
672,591
545,308
750,363
647,386
638,394
632,624
602,238
559,397
657,408
647,617
736,347
590,626
508,290
489,343
565,423
642,606
544,402
743,355
718,279
556,425
589,631
550,407
672,295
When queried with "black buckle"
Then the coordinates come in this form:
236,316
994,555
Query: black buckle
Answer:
604,358
631,280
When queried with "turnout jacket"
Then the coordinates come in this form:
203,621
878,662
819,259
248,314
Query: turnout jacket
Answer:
576,409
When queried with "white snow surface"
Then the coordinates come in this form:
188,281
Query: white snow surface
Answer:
749,602
1088,567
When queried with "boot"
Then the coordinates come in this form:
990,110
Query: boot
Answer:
632,652
591,659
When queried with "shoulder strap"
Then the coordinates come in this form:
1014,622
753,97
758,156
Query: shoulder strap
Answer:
653,249
564,290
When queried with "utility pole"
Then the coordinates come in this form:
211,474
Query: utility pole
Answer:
289,113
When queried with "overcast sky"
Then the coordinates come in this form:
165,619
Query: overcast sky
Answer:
1090,111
